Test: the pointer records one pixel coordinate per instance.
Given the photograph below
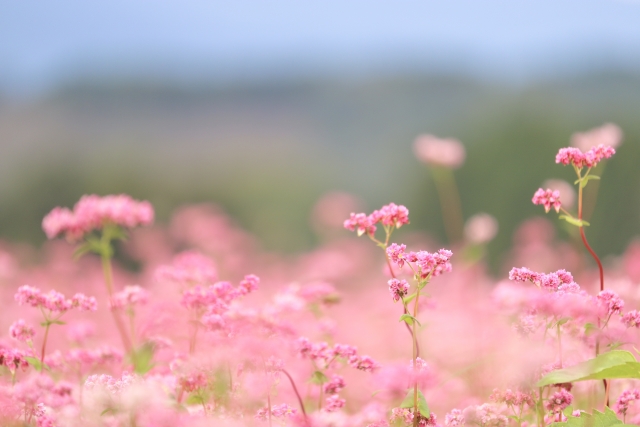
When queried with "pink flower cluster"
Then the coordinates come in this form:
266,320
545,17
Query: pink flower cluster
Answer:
398,289
558,401
20,331
13,359
572,155
216,297
321,352
560,280
390,215
547,198
428,264
512,398
335,385
129,297
610,302
334,403
277,411
92,212
109,383
54,301
626,398
188,268
631,319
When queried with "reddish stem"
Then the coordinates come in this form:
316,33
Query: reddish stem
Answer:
295,390
593,254
404,308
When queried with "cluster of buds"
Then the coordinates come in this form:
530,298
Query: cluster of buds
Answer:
53,301
547,198
574,156
427,264
390,215
93,212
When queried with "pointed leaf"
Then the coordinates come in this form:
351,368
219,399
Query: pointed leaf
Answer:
597,419
575,221
409,319
318,378
422,403
613,364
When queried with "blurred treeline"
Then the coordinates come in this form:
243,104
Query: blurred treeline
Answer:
267,151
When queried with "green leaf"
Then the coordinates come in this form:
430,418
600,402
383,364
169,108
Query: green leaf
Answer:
106,411
142,358
409,319
613,364
597,419
422,403
583,182
590,328
409,298
35,362
318,378
574,221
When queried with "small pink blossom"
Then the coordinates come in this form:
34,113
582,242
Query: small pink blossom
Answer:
93,212
548,198
20,331
610,302
130,296
455,418
631,319
277,411
432,150
390,215
334,403
591,158
53,301
608,134
363,363
396,253
335,385
398,289
558,401
626,398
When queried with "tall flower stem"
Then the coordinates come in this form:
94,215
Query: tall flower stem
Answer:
108,279
416,416
295,390
404,307
450,203
44,345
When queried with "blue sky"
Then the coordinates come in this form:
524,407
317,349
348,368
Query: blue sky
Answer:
44,43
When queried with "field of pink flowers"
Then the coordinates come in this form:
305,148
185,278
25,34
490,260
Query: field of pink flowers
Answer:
366,330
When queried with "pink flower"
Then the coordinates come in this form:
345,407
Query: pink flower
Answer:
129,297
93,212
626,398
334,385
631,319
278,411
360,222
608,134
559,401
390,215
363,363
547,198
454,418
610,301
334,403
398,288
396,253
53,301
438,151
20,331
188,268
591,158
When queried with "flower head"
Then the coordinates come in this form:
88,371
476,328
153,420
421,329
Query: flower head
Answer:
432,150
390,215
572,155
547,198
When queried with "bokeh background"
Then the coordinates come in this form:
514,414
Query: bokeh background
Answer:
264,107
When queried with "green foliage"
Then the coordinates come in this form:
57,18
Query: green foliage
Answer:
613,364
35,362
142,358
574,221
585,180
422,403
597,419
318,378
409,319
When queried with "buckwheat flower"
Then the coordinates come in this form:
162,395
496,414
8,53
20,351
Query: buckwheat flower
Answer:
626,398
84,303
481,228
396,253
524,274
610,301
398,289
439,151
591,158
20,331
433,264
404,414
631,319
130,296
363,363
547,198
344,350
608,134
279,411
360,222
455,418
558,401
567,191
334,403
61,220
248,284
392,215
335,384
193,382
188,268
13,359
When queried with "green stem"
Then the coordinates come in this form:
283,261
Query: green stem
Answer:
450,202
108,279
44,345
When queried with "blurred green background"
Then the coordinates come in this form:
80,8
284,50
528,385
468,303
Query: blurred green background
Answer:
267,151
